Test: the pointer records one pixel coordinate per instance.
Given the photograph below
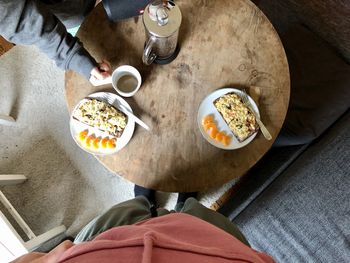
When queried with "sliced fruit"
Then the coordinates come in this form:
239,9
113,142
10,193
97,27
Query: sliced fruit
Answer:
82,135
208,119
89,140
213,132
104,142
226,140
220,136
209,126
96,142
111,144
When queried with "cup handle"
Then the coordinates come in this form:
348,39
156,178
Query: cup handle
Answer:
148,55
96,82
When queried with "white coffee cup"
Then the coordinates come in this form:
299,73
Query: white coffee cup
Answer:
126,80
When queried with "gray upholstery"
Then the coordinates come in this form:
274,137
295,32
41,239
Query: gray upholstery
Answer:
304,215
259,177
316,37
330,19
320,81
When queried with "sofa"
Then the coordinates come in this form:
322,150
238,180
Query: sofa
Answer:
294,204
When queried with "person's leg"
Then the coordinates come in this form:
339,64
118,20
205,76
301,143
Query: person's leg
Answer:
142,207
181,199
126,213
194,208
162,211
150,195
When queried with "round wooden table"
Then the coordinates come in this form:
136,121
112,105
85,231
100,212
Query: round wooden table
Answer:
223,44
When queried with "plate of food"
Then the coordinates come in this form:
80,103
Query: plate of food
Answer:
225,121
99,126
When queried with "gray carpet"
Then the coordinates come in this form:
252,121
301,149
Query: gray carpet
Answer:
304,216
65,185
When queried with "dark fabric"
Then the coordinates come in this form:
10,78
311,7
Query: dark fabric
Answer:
139,209
150,194
320,87
304,216
194,208
51,2
125,213
71,12
123,9
330,19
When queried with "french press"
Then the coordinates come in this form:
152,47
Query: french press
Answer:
162,20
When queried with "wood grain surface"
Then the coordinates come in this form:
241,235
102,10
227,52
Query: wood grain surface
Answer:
4,46
223,44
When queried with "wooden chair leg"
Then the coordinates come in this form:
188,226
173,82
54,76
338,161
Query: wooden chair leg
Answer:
11,244
6,120
34,241
4,46
41,239
10,179
16,216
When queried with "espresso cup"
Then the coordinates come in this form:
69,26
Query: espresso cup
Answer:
126,80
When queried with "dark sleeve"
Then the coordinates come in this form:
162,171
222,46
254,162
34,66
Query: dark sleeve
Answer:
28,23
123,9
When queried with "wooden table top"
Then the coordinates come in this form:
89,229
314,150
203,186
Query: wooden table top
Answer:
223,44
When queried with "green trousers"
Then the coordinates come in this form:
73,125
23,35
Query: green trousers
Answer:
138,209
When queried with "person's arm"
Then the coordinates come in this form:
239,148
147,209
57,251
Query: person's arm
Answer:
28,23
123,9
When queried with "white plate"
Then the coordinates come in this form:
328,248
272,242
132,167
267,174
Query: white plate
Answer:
76,126
207,108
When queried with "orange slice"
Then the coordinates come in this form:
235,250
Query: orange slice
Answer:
214,131
104,142
208,119
209,126
82,135
96,142
111,144
89,140
226,140
220,136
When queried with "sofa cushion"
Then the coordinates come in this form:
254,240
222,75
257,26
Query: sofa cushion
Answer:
330,19
304,215
320,81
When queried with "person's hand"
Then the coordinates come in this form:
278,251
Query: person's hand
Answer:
100,74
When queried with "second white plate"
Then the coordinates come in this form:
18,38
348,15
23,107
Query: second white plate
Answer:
207,108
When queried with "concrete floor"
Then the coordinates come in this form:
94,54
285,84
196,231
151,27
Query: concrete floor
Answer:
65,185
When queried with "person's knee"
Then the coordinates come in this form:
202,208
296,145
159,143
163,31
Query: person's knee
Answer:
139,201
193,206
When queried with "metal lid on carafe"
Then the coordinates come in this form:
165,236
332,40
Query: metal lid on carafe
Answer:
162,18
